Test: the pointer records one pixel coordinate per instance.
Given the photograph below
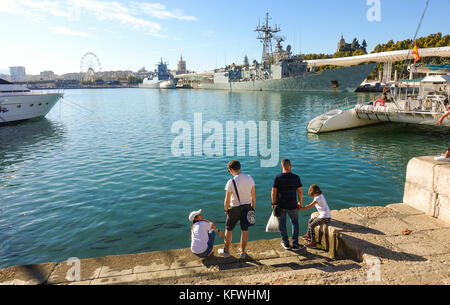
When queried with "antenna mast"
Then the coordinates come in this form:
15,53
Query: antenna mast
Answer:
265,35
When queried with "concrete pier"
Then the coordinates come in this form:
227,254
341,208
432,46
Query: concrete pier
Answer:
394,244
427,187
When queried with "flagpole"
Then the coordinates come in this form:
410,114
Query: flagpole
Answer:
415,36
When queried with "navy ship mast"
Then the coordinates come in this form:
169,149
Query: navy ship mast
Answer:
265,35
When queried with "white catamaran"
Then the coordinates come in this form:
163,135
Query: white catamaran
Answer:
425,106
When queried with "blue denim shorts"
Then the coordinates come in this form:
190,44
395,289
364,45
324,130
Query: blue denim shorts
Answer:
212,237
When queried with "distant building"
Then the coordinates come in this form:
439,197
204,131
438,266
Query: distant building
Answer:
341,44
47,75
181,67
18,74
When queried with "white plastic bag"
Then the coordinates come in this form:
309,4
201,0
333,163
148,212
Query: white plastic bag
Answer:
272,224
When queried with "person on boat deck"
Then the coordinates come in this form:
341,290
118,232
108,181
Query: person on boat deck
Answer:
203,233
441,119
386,97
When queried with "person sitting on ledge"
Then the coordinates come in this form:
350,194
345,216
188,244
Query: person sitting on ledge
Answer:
324,214
203,233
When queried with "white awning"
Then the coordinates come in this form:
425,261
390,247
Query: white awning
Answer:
436,79
382,57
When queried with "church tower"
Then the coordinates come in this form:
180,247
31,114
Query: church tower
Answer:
181,67
341,43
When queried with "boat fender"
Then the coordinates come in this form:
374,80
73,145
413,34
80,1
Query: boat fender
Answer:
382,102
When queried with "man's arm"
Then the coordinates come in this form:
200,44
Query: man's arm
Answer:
274,195
226,203
300,197
253,197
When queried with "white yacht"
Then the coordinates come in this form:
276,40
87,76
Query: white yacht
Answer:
18,103
406,105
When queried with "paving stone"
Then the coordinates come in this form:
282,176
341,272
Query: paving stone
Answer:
117,265
115,280
388,225
183,258
191,271
27,274
403,208
347,216
417,244
424,222
152,261
373,211
89,269
158,275
441,236
260,250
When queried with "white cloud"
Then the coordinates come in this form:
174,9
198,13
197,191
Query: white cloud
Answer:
134,15
60,30
159,11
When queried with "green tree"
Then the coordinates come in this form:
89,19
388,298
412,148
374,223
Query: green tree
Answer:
246,61
355,45
364,46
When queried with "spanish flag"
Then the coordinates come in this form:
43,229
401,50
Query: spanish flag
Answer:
416,53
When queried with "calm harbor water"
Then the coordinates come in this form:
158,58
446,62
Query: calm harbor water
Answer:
97,176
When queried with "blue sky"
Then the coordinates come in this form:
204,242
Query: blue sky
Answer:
130,34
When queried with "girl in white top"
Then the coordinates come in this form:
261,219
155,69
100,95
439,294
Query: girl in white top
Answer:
324,214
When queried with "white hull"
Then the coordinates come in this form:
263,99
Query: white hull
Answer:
26,106
156,84
337,119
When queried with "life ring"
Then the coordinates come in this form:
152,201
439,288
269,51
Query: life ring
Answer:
382,102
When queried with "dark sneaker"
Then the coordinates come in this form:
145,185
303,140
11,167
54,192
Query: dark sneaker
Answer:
297,247
242,255
312,245
223,253
286,246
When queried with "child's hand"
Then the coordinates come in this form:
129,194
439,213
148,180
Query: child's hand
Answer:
221,234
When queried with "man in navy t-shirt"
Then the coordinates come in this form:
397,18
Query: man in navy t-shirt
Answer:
286,187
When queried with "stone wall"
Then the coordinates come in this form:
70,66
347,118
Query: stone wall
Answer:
427,187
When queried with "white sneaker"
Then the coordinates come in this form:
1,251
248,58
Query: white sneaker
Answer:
223,253
441,158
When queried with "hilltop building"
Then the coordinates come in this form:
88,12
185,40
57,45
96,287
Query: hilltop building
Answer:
341,44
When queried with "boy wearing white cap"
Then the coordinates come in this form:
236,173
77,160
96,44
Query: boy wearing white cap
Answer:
202,234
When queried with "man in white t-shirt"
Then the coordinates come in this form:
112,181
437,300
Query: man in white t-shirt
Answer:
237,203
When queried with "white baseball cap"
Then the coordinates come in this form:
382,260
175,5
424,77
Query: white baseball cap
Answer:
194,214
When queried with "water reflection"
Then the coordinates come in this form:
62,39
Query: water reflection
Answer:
19,139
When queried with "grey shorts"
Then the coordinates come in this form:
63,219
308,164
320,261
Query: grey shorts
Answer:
234,215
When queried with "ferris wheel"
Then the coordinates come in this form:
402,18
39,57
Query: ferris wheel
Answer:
89,65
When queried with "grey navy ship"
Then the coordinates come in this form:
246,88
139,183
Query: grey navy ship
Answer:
282,71
160,79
